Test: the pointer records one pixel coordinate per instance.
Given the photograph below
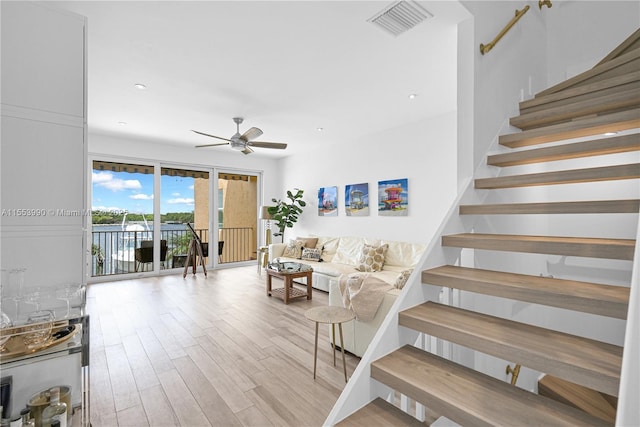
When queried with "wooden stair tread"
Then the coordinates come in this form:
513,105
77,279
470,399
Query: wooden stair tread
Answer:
552,245
587,362
573,176
591,401
605,300
379,413
613,122
601,103
595,147
621,65
469,397
610,85
582,207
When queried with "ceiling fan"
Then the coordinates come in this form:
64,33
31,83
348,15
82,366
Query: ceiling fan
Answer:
243,142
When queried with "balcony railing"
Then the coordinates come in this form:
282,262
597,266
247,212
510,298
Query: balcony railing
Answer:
113,252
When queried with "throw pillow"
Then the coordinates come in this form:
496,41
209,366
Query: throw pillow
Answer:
309,242
402,279
293,249
372,257
312,254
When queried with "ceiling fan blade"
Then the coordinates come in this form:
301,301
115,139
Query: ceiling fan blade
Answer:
264,144
212,145
211,136
247,150
252,133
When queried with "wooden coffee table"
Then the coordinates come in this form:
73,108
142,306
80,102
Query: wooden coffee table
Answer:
288,292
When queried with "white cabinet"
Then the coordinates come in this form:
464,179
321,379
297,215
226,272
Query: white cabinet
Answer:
43,176
43,66
43,143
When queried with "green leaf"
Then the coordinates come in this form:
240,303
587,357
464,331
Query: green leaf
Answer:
286,214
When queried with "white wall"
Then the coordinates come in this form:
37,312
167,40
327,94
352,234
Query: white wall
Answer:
514,68
580,34
423,152
112,145
465,102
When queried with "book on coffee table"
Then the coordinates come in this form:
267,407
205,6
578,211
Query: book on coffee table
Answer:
288,266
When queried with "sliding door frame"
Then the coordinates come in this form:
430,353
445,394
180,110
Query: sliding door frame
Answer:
157,165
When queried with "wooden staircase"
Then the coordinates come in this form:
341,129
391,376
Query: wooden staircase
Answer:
603,99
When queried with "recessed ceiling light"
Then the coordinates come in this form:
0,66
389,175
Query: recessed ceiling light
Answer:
413,96
140,86
319,129
122,123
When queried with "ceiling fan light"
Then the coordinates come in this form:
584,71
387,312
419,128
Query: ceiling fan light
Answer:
244,142
237,145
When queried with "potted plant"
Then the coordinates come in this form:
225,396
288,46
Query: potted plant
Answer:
284,213
97,252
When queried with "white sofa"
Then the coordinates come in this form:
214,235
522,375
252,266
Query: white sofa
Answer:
341,255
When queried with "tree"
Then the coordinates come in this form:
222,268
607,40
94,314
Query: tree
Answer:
286,214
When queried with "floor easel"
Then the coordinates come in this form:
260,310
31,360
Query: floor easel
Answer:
195,251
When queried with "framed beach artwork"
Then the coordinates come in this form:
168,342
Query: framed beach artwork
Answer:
356,199
393,197
328,201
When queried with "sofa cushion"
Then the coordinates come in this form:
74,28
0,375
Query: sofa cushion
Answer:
309,242
402,278
311,254
332,268
372,258
403,254
349,250
329,247
293,249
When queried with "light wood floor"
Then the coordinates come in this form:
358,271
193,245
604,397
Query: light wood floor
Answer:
207,351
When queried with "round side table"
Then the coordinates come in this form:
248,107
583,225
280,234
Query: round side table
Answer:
330,315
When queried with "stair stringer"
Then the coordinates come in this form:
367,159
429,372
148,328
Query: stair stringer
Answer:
361,388
629,392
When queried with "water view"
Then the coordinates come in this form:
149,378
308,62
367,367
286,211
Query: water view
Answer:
114,247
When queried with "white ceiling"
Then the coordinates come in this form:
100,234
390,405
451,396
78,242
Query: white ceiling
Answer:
287,67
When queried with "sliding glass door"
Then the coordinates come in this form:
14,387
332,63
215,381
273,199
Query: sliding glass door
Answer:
184,198
237,216
122,218
141,211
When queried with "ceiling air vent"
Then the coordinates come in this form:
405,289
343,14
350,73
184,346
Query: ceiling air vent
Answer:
400,17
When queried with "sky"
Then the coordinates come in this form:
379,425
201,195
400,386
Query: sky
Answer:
133,192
